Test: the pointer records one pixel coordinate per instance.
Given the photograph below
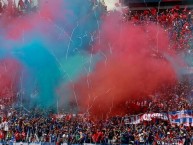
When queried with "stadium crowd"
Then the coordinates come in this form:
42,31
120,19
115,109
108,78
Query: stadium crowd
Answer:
78,129
24,126
176,21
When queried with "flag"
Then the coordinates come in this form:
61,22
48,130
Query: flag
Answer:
181,117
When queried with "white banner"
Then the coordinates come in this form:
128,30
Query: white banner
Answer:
149,117
145,117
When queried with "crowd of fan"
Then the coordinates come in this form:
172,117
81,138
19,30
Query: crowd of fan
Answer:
176,21
19,126
168,100
159,105
78,129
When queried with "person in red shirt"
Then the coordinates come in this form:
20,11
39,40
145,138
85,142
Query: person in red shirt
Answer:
1,135
23,136
17,136
98,137
94,137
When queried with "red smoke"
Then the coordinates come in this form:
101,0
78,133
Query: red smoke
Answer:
9,78
133,67
17,26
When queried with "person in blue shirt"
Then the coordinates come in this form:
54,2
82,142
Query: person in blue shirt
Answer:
82,137
53,137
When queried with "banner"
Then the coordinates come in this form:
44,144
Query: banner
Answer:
132,120
184,117
149,117
145,117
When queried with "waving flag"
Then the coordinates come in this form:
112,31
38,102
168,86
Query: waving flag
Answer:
181,117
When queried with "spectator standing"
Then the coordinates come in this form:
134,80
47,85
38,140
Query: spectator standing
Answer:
110,136
21,5
27,5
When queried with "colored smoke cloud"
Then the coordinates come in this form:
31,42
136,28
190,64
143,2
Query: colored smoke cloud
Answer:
45,42
66,53
134,67
9,81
